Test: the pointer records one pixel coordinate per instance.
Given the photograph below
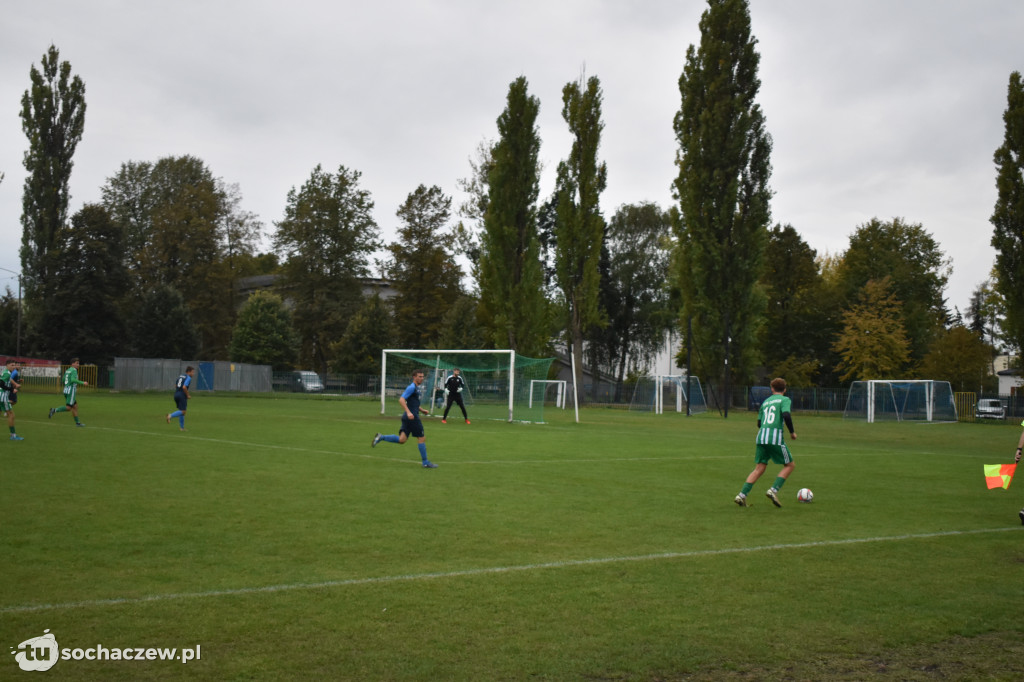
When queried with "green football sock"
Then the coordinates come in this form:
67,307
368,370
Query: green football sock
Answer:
746,488
76,420
62,408
12,429
778,483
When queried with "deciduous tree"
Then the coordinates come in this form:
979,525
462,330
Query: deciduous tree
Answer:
422,269
185,228
83,317
162,327
801,319
263,334
326,238
639,315
917,269
369,332
873,343
959,356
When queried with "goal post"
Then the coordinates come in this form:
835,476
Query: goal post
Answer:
498,382
901,400
656,392
558,384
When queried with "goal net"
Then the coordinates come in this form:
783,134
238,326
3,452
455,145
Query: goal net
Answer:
901,400
498,382
660,392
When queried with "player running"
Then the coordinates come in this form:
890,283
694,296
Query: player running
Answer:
411,423
71,384
8,394
181,396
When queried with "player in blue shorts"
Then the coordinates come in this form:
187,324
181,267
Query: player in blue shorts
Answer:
8,393
770,444
411,424
181,396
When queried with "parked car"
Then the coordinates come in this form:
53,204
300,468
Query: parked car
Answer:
990,408
305,381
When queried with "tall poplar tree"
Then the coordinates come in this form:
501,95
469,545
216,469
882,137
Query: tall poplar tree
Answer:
53,119
723,192
512,301
579,227
1008,216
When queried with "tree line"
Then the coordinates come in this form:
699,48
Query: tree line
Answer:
151,270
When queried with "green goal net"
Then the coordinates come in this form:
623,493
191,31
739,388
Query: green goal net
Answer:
499,383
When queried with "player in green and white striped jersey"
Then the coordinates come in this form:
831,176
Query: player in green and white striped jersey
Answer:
770,443
71,384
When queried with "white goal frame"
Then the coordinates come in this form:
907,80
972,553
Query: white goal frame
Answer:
871,393
561,383
427,352
679,381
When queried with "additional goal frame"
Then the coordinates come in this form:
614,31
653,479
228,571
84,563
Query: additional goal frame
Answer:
687,393
559,398
925,400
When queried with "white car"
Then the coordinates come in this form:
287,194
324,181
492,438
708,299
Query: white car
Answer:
989,408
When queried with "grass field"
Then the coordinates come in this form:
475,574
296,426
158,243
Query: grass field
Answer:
273,537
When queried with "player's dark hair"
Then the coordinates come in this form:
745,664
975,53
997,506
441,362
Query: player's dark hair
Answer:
73,361
189,369
779,385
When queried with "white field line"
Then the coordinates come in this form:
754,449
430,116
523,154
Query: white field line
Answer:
502,462
472,572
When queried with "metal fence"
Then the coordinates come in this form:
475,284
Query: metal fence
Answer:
149,374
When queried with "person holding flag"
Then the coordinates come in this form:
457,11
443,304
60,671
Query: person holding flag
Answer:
1016,460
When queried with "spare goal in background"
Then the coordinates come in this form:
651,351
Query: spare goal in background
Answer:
901,400
660,392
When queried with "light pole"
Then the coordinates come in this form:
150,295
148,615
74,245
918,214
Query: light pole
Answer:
17,351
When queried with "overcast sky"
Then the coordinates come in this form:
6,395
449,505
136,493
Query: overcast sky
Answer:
877,108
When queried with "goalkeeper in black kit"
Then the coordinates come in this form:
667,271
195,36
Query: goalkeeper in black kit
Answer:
453,389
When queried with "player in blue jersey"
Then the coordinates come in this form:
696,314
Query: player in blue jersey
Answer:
770,444
8,393
411,424
16,378
181,396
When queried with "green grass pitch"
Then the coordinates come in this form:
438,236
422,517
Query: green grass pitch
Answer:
274,537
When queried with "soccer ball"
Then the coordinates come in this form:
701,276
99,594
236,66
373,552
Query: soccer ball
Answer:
804,495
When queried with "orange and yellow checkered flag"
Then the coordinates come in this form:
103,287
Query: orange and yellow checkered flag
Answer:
999,475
